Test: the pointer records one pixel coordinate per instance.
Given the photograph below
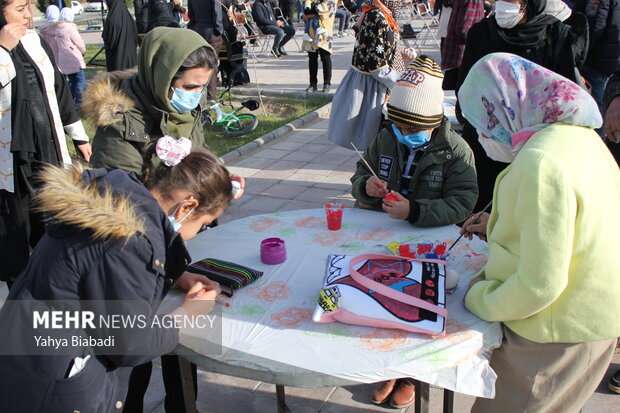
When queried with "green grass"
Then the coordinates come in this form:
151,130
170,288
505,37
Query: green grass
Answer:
91,50
220,144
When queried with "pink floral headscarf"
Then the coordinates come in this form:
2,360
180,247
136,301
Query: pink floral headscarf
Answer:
509,98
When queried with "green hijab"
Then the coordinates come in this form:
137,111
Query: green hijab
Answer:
162,52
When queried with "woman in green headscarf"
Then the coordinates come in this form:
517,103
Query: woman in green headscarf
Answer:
129,109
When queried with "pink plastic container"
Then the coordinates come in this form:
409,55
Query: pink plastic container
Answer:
272,251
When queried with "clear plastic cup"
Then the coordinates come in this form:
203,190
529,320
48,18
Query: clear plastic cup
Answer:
333,213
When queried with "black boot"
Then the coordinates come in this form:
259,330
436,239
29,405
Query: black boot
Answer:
312,88
282,51
614,382
276,53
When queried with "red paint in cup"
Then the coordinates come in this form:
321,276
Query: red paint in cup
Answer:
333,212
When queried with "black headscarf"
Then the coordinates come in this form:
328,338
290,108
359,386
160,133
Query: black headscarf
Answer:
533,32
120,37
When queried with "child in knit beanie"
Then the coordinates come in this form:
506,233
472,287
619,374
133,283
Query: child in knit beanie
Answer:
425,170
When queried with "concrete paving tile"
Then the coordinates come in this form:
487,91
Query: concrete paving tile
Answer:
270,174
270,153
216,398
262,204
338,177
301,155
318,168
335,149
256,185
285,190
285,165
253,162
242,171
354,399
316,194
343,172
302,138
338,186
305,179
297,205
350,165
286,145
335,159
256,403
230,381
307,397
322,139
318,148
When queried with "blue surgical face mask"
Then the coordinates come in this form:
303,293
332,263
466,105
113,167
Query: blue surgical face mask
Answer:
412,140
177,225
184,100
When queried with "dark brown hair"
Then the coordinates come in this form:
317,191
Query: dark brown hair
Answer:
201,57
200,173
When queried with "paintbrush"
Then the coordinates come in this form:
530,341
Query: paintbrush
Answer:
357,151
475,221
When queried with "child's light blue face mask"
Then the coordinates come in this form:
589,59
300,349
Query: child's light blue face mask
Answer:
412,140
177,225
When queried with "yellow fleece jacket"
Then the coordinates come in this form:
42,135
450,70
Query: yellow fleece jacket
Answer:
553,273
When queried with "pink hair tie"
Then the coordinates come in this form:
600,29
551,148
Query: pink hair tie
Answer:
171,151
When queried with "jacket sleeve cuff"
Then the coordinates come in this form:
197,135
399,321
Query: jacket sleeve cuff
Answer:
76,132
7,68
414,212
613,89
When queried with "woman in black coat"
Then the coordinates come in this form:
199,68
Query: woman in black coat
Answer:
110,237
120,37
537,37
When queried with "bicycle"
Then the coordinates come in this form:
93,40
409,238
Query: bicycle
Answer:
232,124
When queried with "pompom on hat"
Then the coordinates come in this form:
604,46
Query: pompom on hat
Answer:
417,97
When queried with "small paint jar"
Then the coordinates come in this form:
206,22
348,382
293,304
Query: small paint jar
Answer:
272,251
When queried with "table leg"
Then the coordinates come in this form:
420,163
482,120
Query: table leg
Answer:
448,401
280,399
187,384
422,391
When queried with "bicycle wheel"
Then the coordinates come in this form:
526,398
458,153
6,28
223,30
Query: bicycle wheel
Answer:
241,125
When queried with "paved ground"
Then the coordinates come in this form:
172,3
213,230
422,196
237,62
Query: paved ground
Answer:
303,170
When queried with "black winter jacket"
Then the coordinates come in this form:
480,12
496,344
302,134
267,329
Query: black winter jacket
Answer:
161,14
482,39
604,27
101,244
262,13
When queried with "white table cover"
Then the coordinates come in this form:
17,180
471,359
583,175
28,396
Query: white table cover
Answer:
271,319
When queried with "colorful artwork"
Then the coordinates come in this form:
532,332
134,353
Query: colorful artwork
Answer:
341,291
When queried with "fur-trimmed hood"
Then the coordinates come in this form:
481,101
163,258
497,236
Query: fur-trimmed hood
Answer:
84,199
104,100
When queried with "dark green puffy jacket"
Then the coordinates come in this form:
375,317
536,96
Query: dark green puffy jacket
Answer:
443,189
124,125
